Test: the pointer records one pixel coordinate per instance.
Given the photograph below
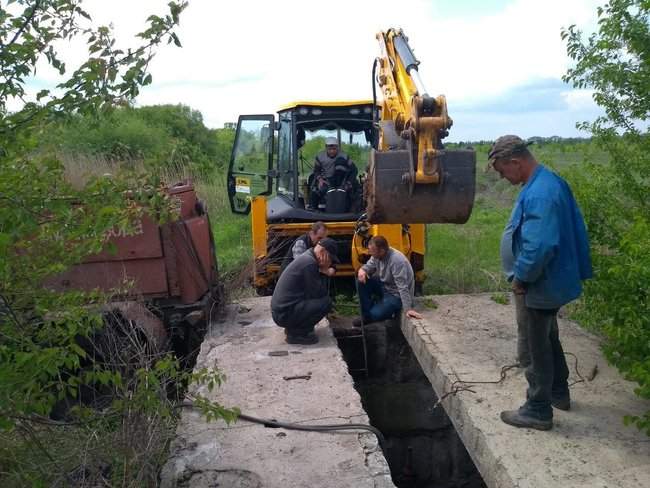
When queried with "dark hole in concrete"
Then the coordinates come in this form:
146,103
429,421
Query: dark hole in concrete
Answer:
423,448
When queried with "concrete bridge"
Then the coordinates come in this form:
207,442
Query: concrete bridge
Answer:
435,390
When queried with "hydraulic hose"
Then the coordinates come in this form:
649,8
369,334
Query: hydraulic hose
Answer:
274,424
375,122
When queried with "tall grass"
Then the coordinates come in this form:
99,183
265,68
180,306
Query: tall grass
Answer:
465,258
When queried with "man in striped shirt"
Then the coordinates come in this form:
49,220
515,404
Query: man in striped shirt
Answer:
305,242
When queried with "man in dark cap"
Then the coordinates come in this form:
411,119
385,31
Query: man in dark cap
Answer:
301,296
545,255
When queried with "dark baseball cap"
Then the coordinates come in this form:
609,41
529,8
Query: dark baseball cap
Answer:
331,247
506,146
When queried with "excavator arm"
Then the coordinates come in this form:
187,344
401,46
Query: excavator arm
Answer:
412,178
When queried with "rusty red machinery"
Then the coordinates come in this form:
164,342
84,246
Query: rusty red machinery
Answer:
164,278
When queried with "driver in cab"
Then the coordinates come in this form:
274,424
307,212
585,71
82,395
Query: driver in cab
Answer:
332,169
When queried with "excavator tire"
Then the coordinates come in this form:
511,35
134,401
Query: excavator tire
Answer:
390,200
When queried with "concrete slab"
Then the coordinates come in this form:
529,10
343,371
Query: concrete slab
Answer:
250,455
470,338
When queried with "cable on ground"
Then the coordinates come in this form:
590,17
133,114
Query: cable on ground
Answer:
459,385
274,424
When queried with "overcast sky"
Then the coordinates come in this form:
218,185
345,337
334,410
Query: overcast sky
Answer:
499,62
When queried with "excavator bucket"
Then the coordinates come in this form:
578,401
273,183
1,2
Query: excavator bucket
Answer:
392,200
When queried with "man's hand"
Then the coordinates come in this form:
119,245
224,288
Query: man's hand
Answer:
330,271
413,314
518,288
324,261
362,276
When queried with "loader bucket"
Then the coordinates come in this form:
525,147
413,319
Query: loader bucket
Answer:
391,200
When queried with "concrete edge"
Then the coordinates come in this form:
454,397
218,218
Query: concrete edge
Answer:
473,438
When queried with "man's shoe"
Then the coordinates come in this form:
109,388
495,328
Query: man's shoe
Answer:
517,419
562,403
306,340
357,322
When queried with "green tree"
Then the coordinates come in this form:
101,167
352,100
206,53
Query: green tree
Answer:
614,62
47,224
169,136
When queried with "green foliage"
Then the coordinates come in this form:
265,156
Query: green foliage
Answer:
500,298
356,152
615,63
46,227
48,224
346,306
171,137
125,444
109,76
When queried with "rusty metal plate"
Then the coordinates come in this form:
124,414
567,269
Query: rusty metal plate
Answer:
144,243
148,277
449,202
187,196
194,259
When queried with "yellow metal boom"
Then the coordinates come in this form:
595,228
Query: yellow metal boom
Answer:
412,178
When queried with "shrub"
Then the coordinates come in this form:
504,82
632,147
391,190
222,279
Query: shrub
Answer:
615,63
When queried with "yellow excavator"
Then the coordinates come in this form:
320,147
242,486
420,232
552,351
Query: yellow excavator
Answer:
407,177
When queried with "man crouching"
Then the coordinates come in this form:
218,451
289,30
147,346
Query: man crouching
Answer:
386,284
301,296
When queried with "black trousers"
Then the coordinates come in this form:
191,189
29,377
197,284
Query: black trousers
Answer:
303,317
547,373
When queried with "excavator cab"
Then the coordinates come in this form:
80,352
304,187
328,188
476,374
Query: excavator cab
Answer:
271,176
301,193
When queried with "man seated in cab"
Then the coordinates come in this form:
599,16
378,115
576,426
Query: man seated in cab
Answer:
301,296
332,169
386,284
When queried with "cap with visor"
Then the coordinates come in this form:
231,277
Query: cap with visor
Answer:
331,141
506,146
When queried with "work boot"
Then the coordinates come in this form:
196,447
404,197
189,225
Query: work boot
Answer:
304,339
562,402
517,418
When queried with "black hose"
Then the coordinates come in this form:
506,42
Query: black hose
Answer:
274,424
375,122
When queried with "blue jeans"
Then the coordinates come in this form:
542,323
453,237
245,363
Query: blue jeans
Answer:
377,305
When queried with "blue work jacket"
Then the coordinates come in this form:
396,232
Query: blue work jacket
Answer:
549,241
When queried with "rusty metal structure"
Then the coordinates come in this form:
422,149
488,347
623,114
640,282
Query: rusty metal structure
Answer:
164,278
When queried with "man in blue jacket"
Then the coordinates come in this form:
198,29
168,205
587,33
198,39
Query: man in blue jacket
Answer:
545,253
